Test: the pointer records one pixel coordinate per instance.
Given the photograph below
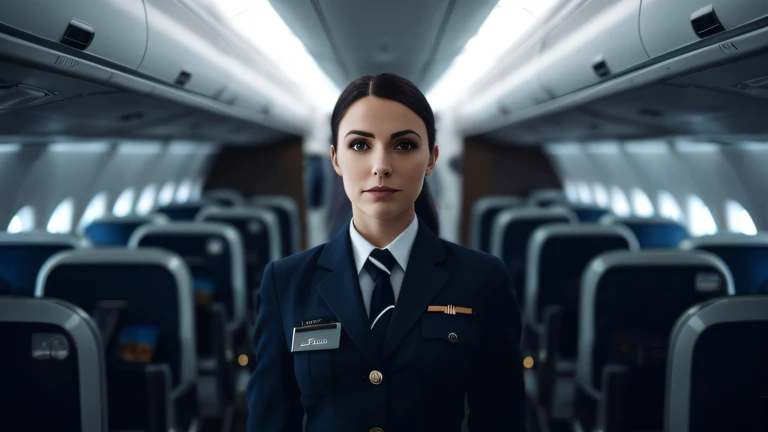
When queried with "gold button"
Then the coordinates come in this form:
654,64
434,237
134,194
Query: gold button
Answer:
452,337
376,377
377,429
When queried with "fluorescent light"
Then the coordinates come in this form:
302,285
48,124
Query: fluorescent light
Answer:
9,148
262,26
507,22
139,148
96,147
695,147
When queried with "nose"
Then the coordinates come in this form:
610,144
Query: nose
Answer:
382,167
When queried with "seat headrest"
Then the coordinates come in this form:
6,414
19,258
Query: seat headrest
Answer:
652,233
557,256
78,357
116,231
484,210
288,212
241,216
524,221
23,254
588,213
156,285
745,256
717,346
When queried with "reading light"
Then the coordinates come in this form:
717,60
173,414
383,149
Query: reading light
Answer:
242,360
528,362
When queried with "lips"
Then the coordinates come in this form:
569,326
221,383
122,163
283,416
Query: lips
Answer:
381,191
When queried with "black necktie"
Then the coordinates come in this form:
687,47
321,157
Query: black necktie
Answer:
379,265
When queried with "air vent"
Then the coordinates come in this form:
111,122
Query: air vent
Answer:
78,35
705,23
183,78
601,67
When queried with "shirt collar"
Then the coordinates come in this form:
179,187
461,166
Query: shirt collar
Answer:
400,247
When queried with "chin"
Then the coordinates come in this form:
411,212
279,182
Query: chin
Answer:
384,211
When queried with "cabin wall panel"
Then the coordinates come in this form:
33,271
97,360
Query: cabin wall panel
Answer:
492,169
263,170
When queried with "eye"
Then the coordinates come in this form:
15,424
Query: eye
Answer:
359,145
405,145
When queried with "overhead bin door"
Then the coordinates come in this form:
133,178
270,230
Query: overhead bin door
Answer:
113,29
185,51
598,39
666,25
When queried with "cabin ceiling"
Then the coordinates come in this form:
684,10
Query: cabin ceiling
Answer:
414,39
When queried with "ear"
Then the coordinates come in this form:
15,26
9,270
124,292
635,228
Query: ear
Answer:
335,161
433,160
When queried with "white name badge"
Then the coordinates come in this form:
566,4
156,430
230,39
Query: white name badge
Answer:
316,337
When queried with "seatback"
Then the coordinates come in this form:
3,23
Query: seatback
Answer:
588,213
259,230
745,255
214,254
484,211
288,214
155,287
629,304
512,228
556,259
652,233
116,231
51,368
716,375
183,212
22,255
224,197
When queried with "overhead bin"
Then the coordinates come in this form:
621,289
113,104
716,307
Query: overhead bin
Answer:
183,50
599,39
666,25
112,29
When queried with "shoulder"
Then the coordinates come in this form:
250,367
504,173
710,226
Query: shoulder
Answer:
472,258
300,260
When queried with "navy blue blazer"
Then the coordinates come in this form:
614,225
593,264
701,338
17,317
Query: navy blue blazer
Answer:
424,374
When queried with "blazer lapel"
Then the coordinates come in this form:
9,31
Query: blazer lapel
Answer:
422,281
337,283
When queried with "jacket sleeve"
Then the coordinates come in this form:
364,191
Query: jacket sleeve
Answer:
496,395
273,395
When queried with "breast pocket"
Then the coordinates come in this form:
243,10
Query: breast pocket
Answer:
313,372
449,346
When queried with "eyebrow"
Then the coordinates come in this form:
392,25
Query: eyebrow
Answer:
393,136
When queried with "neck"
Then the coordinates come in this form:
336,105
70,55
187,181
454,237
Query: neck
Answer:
381,232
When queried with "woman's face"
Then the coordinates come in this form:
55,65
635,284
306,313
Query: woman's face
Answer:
382,156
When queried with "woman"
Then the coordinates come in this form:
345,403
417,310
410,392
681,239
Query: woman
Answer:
386,327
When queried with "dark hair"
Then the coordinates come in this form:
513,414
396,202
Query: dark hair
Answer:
398,89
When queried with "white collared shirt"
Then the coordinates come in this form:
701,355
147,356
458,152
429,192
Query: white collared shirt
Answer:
400,248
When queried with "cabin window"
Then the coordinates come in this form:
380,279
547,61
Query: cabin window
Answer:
619,202
124,204
166,194
700,220
669,208
738,218
61,219
95,209
197,190
184,191
601,196
585,193
23,220
571,191
146,200
641,204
